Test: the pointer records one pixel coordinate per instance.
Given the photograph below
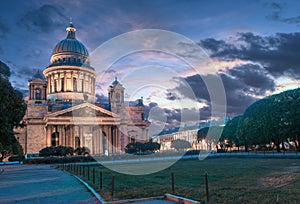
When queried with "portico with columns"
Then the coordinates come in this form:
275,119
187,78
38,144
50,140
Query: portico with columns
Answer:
84,125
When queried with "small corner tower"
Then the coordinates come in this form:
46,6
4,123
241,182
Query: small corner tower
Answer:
116,96
37,88
37,106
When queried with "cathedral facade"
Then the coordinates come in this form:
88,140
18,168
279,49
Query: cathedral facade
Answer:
62,108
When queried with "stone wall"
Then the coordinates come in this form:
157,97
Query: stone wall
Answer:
36,137
20,134
36,111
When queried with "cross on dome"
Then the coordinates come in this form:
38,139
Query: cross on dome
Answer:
71,30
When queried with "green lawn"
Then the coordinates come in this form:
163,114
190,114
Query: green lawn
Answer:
231,180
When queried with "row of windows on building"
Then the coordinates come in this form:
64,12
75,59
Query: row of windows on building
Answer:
83,86
70,60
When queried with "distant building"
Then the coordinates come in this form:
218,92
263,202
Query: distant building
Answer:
188,133
62,108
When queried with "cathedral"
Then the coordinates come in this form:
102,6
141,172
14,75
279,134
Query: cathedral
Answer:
62,108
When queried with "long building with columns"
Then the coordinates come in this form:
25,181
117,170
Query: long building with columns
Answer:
62,108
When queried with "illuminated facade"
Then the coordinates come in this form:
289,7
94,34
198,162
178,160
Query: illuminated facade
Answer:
62,108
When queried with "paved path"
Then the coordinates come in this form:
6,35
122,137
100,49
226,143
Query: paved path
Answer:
41,184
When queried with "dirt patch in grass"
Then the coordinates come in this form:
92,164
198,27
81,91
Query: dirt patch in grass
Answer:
278,180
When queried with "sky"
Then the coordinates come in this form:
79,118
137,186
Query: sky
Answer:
189,47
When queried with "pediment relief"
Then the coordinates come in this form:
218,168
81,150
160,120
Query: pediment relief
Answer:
83,110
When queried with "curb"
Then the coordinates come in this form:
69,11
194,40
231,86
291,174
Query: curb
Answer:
97,195
179,199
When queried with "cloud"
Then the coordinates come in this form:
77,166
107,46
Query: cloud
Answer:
278,54
4,29
254,76
292,20
243,85
102,98
274,5
170,118
276,15
45,18
23,72
170,96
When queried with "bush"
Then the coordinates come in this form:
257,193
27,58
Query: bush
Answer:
16,158
133,147
56,151
138,147
82,151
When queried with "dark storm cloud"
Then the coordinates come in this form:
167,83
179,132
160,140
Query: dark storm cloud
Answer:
242,86
102,98
45,18
253,76
279,54
217,46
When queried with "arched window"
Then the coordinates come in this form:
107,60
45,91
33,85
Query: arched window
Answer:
63,84
74,84
143,116
55,85
132,135
37,94
82,85
55,139
104,149
132,139
117,97
77,142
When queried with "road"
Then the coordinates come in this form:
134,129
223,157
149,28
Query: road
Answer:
41,184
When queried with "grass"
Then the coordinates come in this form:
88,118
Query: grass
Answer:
231,180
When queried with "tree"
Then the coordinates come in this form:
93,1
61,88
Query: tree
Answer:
202,133
231,132
179,144
136,147
12,111
272,119
151,146
210,134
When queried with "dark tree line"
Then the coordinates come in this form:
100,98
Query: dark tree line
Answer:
12,111
274,119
